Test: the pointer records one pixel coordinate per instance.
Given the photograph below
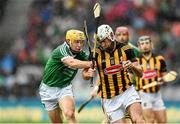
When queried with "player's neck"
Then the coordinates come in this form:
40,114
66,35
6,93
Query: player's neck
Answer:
147,55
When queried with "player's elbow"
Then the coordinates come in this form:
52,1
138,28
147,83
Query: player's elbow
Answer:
79,64
72,64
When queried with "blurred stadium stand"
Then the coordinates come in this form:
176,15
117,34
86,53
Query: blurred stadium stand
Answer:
30,29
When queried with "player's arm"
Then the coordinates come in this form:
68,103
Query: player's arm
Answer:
75,63
87,73
131,62
95,90
136,69
163,69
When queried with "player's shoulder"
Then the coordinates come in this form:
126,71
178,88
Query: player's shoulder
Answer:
62,49
159,57
119,44
83,53
98,50
140,56
123,46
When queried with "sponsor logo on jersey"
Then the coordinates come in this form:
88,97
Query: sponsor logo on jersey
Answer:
149,74
113,69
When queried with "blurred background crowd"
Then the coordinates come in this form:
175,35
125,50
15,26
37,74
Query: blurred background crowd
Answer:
30,29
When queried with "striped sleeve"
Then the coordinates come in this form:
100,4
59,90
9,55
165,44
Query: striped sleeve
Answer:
63,50
61,53
129,53
162,64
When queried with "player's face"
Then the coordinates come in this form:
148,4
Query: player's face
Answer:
105,44
122,37
77,45
145,46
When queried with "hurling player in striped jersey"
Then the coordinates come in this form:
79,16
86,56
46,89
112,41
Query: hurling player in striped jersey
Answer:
118,95
154,67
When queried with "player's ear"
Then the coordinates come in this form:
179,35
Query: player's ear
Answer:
68,41
152,46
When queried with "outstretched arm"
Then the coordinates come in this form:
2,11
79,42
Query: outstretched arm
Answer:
75,63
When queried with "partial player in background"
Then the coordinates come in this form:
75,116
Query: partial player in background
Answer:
154,67
56,89
115,89
122,35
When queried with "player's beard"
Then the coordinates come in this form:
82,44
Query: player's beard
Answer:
125,41
146,53
111,47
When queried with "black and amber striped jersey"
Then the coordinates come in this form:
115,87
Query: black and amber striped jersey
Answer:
113,79
152,69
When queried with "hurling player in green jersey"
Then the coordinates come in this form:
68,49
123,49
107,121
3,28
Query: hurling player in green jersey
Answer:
56,88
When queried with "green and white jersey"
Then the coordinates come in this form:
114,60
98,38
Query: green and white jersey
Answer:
56,73
135,49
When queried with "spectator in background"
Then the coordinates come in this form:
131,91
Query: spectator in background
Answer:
3,4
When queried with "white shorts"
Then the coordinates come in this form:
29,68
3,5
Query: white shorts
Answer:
152,101
115,107
51,95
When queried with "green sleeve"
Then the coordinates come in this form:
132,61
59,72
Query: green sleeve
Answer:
83,56
136,52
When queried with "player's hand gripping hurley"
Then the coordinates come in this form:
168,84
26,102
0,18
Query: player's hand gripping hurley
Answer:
169,77
96,10
89,47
